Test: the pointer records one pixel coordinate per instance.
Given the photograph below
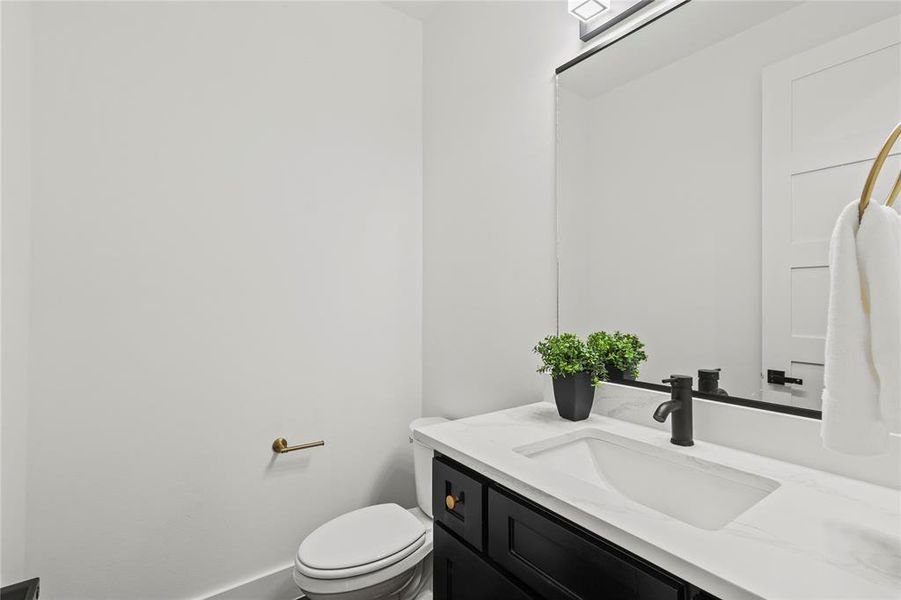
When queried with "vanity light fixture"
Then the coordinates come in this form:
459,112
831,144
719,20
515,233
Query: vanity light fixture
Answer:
616,18
586,10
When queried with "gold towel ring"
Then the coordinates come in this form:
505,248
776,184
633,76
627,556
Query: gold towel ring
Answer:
874,173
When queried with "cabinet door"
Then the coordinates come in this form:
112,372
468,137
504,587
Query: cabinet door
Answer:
460,574
559,562
458,498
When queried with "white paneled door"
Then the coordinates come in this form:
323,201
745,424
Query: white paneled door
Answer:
826,114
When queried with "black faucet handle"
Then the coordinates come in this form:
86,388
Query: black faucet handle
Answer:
680,380
709,381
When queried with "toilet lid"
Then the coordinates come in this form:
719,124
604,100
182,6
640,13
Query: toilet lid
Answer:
360,537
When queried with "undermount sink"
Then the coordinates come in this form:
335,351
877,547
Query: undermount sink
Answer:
696,491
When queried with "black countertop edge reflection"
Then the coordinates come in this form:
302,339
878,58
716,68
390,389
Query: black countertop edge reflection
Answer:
746,402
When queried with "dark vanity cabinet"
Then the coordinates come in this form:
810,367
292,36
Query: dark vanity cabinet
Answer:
462,573
492,544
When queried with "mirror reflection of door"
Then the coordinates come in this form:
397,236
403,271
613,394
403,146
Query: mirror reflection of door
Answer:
826,112
676,142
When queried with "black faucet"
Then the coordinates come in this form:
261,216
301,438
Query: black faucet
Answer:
709,382
680,407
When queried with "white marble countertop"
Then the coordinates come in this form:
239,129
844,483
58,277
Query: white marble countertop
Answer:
817,536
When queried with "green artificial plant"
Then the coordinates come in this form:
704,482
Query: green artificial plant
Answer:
566,354
623,351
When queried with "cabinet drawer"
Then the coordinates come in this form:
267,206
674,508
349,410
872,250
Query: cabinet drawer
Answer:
558,562
464,513
460,574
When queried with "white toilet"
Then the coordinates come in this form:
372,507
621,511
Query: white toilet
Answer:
381,552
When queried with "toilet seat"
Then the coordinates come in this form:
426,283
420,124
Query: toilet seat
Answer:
363,569
359,542
356,532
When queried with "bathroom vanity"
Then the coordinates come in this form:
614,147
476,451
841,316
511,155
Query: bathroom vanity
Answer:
506,545
527,505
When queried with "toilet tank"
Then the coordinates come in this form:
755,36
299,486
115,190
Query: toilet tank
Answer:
422,465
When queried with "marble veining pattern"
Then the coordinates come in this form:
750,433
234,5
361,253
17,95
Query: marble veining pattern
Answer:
818,535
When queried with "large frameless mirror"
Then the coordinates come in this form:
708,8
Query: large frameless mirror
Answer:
702,162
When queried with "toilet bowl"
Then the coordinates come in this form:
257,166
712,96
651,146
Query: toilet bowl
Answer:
380,552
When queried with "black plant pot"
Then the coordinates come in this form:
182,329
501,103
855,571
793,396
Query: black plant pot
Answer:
25,590
615,374
574,395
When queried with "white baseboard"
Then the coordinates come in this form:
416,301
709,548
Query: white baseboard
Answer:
276,585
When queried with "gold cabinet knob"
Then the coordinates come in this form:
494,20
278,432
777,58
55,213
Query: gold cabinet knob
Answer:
451,502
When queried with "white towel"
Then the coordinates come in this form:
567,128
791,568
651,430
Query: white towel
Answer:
879,251
861,401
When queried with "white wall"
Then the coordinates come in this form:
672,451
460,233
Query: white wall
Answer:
489,225
226,234
673,196
574,168
15,123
